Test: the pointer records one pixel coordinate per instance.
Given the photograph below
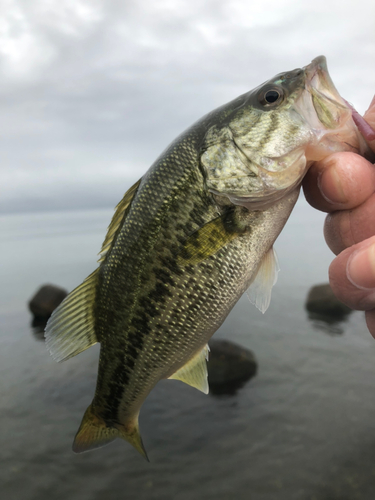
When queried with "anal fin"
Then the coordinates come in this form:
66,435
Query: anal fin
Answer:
194,372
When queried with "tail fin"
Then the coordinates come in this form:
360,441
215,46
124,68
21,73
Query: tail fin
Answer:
94,433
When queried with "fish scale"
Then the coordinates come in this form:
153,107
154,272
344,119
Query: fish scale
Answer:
189,238
134,324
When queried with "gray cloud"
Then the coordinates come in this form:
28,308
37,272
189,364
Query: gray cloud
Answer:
91,91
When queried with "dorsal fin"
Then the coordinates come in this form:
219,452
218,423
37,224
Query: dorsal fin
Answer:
70,330
194,372
118,216
259,292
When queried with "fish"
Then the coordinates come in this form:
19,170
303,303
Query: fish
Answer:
189,238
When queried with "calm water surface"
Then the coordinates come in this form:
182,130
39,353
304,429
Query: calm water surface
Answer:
302,429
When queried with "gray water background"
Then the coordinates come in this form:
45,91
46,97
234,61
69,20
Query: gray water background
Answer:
302,429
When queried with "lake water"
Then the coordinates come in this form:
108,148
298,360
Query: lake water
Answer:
302,429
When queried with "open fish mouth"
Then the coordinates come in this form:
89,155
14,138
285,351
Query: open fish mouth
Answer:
330,108
329,116
319,82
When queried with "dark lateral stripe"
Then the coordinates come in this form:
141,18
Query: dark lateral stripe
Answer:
148,303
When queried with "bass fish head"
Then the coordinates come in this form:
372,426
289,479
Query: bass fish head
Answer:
259,146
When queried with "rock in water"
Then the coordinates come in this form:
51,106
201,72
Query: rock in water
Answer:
229,366
45,301
322,301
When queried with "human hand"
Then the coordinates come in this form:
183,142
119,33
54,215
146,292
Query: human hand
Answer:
343,184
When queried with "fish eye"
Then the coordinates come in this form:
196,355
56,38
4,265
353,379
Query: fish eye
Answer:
271,97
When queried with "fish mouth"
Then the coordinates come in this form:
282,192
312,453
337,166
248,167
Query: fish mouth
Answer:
327,113
331,110
321,87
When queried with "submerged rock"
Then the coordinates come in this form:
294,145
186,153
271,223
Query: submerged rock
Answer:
229,366
321,301
45,301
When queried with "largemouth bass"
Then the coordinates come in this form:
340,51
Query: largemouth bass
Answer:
189,238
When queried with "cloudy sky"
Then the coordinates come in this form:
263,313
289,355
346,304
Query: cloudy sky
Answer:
92,91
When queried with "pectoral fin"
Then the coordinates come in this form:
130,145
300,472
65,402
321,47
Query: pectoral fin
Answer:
259,292
210,238
194,372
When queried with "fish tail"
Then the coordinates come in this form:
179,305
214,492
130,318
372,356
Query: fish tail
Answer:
132,435
95,433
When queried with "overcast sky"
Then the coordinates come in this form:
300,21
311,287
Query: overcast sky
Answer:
92,91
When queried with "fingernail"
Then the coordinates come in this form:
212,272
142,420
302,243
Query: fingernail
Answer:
329,182
360,269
